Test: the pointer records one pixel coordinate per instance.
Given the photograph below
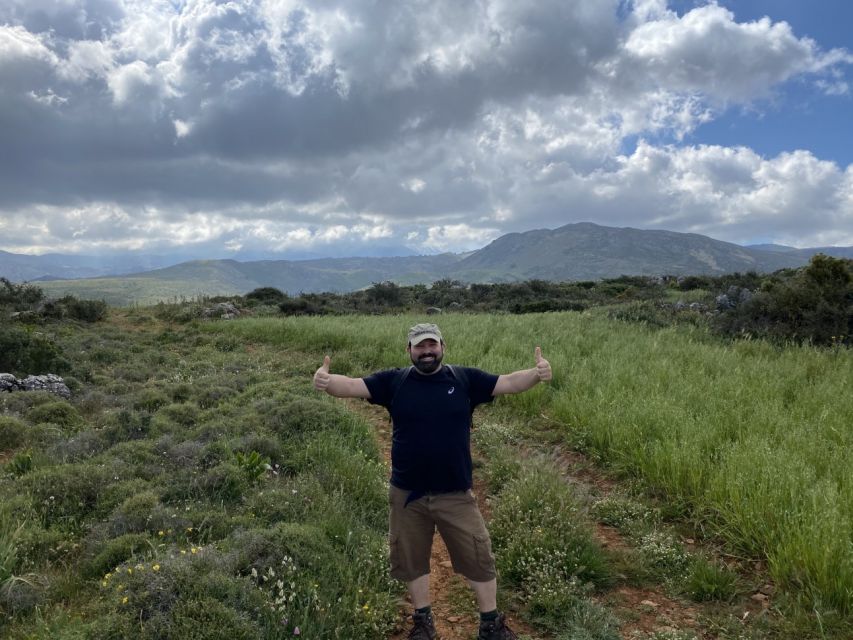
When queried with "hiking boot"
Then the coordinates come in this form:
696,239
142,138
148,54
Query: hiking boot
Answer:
496,630
423,627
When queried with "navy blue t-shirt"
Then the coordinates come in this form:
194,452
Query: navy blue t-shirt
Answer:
431,414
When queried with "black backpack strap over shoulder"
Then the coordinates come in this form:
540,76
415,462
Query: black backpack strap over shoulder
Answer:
399,380
459,373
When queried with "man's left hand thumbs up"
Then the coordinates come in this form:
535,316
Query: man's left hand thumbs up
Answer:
543,367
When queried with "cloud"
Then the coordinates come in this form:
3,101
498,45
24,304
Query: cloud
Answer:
438,125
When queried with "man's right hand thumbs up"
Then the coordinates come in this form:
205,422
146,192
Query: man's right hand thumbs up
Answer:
322,376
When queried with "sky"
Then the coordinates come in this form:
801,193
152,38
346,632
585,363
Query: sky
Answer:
286,128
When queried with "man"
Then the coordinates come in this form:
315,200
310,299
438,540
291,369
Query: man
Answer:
431,405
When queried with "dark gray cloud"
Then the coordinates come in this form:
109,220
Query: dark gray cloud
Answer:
437,124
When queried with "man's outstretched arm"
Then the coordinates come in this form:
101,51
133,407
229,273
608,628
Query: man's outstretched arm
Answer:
337,385
524,379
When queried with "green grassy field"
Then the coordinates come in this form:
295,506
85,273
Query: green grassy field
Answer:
752,441
143,508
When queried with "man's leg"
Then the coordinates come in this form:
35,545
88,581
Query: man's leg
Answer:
486,593
419,591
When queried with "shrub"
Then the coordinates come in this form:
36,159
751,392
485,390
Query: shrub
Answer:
66,492
58,412
536,523
206,618
19,296
114,552
150,400
24,352
298,416
21,463
212,396
137,514
630,517
266,295
814,305
127,425
13,433
85,310
184,414
224,482
38,547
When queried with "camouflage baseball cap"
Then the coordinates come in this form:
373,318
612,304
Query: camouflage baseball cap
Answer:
424,331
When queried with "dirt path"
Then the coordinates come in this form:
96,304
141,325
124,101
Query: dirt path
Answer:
453,604
645,611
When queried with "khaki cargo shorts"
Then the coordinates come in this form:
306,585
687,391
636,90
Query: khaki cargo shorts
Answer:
458,520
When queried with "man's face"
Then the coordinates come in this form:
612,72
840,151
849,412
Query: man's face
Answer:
426,355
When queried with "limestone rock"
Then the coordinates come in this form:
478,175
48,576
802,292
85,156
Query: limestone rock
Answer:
49,382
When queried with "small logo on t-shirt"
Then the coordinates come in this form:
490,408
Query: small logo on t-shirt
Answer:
451,390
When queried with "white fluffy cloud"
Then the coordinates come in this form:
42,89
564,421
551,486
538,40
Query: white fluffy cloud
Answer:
286,124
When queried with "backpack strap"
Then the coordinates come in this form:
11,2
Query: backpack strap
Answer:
398,382
460,374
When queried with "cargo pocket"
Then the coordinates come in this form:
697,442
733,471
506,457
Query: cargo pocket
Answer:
394,554
485,559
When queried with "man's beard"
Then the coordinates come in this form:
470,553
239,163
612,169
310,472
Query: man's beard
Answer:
429,366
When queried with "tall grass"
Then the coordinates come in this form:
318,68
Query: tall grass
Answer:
756,440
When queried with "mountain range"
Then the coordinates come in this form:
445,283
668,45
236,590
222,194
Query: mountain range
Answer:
580,251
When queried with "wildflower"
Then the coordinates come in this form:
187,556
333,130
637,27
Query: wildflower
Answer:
104,583
129,570
183,552
124,600
194,550
296,631
160,533
156,567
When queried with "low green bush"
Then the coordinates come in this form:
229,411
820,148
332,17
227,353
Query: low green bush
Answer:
85,310
25,352
266,295
13,433
59,413
213,396
21,463
150,400
225,482
537,523
66,493
138,514
19,297
113,552
814,306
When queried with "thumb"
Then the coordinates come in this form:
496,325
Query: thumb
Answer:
538,353
326,361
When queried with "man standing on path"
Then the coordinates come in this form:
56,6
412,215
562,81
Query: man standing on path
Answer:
431,471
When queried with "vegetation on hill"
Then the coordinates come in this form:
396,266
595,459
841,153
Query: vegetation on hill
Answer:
811,304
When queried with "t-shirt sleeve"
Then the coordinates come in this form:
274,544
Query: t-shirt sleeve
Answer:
480,386
380,385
